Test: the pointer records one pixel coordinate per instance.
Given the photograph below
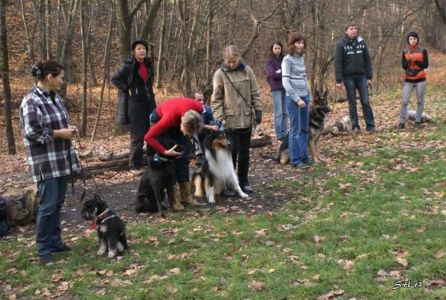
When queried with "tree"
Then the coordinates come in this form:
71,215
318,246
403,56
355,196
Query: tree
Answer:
5,78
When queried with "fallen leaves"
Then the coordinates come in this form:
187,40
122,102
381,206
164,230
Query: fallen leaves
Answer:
256,285
331,295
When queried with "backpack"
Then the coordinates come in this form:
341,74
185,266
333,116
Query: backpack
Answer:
21,205
3,223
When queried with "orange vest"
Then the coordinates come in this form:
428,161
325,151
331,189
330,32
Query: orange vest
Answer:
413,55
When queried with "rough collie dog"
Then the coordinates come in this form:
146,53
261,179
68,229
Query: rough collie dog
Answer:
110,228
217,171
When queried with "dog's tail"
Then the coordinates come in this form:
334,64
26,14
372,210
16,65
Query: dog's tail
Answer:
198,182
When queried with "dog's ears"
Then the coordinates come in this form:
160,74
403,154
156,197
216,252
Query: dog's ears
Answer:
325,95
316,95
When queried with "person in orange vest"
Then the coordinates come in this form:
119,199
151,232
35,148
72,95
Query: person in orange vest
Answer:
414,60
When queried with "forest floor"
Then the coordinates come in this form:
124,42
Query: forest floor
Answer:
316,232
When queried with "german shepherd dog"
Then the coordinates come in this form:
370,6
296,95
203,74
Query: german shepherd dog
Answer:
317,118
217,171
110,228
156,182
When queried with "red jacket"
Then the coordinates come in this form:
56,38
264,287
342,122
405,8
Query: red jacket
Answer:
170,113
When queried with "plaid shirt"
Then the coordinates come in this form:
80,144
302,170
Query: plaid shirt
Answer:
40,115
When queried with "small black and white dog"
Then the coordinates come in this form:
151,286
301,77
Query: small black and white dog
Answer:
217,171
156,182
110,228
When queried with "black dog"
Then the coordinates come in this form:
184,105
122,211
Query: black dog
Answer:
156,181
110,228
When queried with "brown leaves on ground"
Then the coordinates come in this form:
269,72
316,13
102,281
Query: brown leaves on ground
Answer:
256,285
331,295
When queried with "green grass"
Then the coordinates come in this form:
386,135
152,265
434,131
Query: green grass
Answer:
366,212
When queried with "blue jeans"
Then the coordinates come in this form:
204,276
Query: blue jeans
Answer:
51,198
280,114
353,83
299,123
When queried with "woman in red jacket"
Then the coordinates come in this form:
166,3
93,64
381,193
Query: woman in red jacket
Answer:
177,119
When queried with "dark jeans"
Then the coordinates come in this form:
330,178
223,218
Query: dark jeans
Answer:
51,198
353,83
139,112
181,164
240,142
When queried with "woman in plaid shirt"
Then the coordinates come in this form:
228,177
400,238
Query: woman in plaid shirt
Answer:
47,136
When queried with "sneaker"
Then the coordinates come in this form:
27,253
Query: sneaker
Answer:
299,166
417,125
46,259
64,248
356,130
401,126
247,189
371,130
308,161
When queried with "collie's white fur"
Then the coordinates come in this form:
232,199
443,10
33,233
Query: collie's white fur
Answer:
224,174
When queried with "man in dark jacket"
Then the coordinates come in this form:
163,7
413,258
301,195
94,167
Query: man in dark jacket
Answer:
134,79
353,67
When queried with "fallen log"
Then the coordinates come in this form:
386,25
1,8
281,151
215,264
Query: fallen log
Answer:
120,162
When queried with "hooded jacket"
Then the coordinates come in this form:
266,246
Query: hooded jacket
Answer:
352,58
239,112
132,88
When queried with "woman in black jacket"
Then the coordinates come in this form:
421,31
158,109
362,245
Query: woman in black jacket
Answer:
134,79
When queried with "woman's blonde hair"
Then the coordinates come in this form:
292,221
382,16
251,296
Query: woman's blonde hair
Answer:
191,121
231,50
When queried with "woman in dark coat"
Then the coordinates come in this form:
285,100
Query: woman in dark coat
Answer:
134,79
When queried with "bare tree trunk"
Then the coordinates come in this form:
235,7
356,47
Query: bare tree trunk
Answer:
84,119
147,30
5,78
48,28
29,38
161,48
66,46
441,10
106,68
43,29
207,73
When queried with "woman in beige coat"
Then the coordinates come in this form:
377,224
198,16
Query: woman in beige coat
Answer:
236,100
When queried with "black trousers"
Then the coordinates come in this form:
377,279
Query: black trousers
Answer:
240,142
139,112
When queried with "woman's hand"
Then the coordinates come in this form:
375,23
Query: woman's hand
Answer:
172,152
211,127
301,103
65,133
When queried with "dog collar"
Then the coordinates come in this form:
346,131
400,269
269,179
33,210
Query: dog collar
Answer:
102,214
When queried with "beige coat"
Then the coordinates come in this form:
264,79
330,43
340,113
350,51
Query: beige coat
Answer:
228,105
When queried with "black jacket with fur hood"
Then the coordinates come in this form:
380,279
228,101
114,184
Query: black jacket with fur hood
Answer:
352,58
132,87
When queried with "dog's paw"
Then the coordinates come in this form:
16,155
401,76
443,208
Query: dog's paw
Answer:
112,254
243,195
101,251
211,200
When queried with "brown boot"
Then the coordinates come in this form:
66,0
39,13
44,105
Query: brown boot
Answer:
186,195
176,199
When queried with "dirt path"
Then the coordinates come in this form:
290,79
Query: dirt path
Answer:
121,196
